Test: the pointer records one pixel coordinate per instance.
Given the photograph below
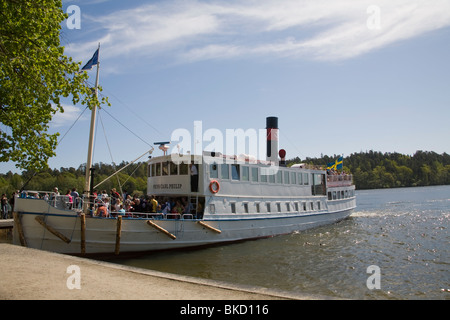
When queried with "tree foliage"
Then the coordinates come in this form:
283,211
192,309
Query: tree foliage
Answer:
34,76
133,179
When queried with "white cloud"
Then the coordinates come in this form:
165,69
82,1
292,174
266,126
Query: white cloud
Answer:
68,117
321,29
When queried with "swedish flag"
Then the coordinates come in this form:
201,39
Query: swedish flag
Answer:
336,165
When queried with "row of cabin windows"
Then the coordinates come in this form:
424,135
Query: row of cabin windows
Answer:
239,172
342,194
167,168
279,207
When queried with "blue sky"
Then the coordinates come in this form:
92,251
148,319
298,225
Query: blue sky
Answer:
342,76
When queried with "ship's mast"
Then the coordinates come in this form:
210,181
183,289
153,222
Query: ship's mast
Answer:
87,185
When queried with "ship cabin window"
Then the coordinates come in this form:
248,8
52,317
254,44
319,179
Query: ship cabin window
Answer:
288,206
245,173
173,168
330,197
263,178
296,206
306,179
165,168
268,207
318,184
235,172
213,171
312,206
278,207
257,207
318,205
225,171
304,206
279,176
184,168
254,174
150,168
300,179
334,195
233,207
293,178
246,207
286,177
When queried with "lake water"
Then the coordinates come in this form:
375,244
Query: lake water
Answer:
405,232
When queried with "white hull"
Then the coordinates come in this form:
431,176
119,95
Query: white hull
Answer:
138,236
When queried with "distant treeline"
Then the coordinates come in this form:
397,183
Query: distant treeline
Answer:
375,170
371,170
133,179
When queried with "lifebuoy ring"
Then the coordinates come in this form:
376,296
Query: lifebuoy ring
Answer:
214,186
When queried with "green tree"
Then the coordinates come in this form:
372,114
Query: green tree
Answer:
34,75
404,176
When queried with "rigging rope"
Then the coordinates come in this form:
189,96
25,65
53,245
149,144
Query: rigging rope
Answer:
65,134
127,128
109,149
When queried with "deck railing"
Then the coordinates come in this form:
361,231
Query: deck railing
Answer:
63,202
339,180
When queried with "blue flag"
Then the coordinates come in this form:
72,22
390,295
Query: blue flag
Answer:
92,62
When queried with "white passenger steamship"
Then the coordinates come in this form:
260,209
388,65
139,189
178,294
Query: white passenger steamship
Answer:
233,198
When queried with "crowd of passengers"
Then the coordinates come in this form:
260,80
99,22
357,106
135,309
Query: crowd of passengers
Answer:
333,172
114,204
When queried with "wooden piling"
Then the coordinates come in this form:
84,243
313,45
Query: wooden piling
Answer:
118,235
18,222
83,233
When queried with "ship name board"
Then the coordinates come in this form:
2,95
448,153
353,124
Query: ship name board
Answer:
167,186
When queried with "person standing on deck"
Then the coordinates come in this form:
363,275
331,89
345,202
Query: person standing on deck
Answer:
194,177
153,204
4,202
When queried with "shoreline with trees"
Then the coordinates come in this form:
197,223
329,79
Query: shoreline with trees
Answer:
371,170
377,170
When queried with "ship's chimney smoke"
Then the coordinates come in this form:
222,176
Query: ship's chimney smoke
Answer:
272,139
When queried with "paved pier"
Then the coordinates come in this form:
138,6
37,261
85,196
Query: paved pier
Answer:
6,223
35,274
